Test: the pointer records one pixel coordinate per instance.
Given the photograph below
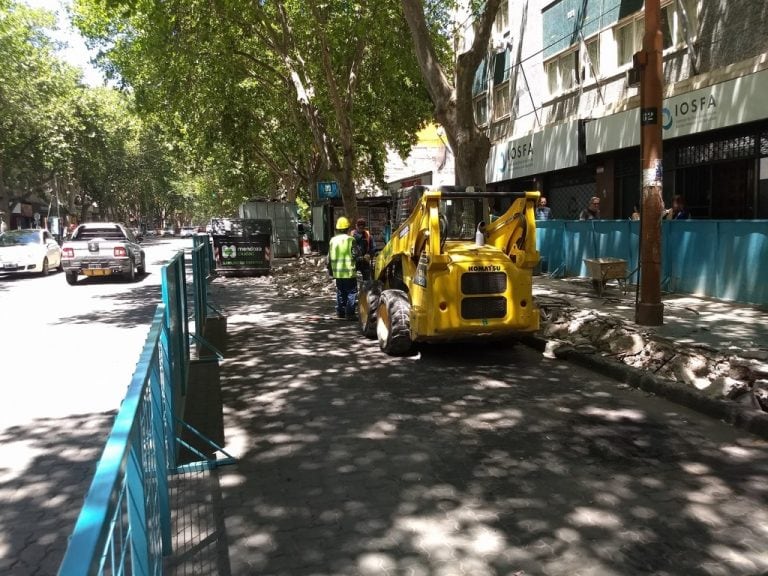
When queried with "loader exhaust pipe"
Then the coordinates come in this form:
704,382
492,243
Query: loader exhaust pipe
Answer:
480,234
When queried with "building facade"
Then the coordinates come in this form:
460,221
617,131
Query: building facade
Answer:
430,162
559,98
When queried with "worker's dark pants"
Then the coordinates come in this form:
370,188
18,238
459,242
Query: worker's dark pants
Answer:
364,267
346,297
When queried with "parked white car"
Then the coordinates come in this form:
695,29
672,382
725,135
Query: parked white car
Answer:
28,251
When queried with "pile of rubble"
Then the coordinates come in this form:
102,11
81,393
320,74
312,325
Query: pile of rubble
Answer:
741,376
306,276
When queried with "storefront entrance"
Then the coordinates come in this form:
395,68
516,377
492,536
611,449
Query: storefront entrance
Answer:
720,191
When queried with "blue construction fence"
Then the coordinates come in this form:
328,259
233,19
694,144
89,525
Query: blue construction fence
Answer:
726,259
124,525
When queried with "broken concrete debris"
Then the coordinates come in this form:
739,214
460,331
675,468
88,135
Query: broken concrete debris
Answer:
302,277
732,375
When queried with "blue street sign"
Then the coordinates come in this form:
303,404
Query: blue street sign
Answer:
327,190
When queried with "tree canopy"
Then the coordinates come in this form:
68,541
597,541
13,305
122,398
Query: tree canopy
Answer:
66,142
281,94
451,90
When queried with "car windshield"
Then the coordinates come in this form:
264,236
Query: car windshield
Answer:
19,238
88,233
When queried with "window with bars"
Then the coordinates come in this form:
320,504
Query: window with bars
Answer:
727,149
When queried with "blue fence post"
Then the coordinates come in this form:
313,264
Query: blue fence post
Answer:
182,289
137,512
162,427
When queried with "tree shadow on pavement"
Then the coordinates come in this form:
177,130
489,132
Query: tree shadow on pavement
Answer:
124,309
465,459
45,471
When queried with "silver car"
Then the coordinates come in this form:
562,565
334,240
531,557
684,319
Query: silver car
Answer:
103,249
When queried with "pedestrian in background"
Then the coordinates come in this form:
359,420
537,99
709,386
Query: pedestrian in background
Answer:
678,210
543,212
363,249
341,266
635,213
592,211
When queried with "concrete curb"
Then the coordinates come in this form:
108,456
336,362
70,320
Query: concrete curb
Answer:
751,420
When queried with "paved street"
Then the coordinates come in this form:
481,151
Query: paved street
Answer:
67,356
460,460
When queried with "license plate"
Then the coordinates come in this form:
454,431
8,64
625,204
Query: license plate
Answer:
97,272
94,266
9,266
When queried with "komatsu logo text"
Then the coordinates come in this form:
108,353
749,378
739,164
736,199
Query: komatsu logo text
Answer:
484,268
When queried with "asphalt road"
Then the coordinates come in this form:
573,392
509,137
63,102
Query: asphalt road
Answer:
66,357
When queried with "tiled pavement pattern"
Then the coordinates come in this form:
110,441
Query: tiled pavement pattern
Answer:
464,459
460,460
45,470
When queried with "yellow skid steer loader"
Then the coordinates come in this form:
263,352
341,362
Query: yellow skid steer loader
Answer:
453,269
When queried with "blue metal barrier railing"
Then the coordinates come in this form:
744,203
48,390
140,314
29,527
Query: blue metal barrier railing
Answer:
124,526
203,268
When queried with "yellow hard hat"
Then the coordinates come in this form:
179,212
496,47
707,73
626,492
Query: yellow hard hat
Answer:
342,223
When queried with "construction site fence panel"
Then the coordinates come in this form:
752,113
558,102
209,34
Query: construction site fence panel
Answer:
723,259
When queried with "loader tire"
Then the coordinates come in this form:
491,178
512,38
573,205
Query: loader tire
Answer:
393,323
368,302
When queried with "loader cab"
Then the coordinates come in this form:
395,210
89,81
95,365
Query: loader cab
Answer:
459,216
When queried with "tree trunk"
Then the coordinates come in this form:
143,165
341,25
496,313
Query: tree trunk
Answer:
5,201
471,158
347,184
453,104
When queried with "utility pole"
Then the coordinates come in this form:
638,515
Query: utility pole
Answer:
650,310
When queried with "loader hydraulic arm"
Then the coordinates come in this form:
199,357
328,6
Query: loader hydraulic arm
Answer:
514,232
421,231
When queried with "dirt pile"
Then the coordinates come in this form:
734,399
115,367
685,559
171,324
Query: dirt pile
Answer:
741,376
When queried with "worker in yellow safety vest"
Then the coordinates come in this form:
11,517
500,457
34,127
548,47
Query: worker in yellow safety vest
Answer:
341,266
